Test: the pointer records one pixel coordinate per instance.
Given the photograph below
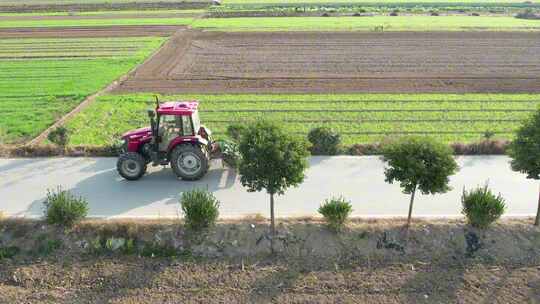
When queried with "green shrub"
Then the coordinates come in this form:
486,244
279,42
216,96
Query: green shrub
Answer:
235,131
8,252
63,208
324,141
528,14
482,207
200,208
47,246
59,136
229,152
335,212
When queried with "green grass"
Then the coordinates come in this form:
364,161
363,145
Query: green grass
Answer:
295,2
360,118
94,22
32,2
397,23
39,81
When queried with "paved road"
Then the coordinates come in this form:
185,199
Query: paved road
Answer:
23,185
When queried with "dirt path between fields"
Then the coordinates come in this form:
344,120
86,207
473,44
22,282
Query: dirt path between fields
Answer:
332,62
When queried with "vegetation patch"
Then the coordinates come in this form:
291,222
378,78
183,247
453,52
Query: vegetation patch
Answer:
335,212
391,23
357,118
482,207
63,208
200,208
42,79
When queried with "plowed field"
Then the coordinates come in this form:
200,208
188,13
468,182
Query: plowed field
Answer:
90,31
273,62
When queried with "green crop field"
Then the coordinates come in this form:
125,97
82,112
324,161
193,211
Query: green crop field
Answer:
105,13
296,2
94,22
396,23
30,2
360,118
367,4
42,79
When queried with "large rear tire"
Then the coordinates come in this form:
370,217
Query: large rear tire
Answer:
189,162
131,165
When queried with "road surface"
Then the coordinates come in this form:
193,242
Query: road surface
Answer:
24,183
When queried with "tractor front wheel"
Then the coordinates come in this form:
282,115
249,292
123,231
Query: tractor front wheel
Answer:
189,162
131,165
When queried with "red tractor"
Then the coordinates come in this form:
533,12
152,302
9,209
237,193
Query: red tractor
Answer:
175,137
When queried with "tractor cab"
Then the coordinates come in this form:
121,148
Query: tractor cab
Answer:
174,120
175,137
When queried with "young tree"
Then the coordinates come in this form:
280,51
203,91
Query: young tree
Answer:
271,159
419,163
525,152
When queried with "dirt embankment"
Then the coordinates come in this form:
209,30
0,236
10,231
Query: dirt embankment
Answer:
484,147
124,262
316,62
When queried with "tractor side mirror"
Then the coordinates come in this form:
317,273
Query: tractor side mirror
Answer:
151,113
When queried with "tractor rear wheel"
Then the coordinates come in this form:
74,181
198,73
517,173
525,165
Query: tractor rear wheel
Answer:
131,165
189,162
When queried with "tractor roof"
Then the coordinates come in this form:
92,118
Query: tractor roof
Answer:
178,107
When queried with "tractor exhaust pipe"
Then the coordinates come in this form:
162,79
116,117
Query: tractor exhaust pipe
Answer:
157,102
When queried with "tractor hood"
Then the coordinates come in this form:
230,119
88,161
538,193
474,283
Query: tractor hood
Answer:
146,131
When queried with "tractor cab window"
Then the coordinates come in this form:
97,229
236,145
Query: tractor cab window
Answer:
170,124
196,121
187,127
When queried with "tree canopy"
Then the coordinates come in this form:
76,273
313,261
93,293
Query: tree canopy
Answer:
525,148
419,163
271,158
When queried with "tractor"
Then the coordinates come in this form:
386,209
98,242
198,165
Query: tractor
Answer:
175,137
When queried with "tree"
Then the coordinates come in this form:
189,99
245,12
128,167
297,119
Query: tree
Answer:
271,160
419,163
525,152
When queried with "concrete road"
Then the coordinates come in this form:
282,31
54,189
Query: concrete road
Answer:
24,182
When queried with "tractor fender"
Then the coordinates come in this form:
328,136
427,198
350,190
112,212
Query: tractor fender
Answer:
193,140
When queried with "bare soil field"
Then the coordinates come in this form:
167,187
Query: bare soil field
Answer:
145,280
91,31
270,62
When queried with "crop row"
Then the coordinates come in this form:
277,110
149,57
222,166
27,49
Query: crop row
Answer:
362,118
392,126
369,107
369,116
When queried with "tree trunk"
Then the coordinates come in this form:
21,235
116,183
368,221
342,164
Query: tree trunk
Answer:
272,223
410,209
537,220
